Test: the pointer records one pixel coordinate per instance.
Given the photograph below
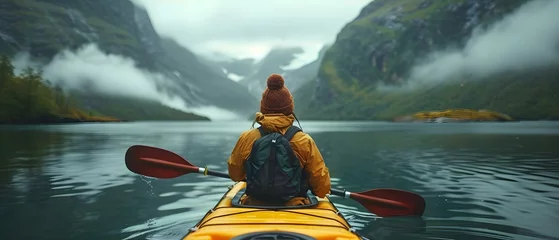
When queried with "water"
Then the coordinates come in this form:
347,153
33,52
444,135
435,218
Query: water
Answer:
480,180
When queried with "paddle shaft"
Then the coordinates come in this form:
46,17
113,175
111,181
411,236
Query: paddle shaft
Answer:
215,173
357,196
340,193
201,170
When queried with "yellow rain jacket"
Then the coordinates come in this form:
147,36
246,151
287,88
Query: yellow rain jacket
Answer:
303,145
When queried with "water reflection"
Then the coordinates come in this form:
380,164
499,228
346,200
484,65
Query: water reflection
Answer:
481,181
475,186
190,200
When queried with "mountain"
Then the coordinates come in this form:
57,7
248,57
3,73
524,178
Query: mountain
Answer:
253,74
271,63
213,89
398,57
121,31
231,68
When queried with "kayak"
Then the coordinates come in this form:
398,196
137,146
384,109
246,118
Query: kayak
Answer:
228,219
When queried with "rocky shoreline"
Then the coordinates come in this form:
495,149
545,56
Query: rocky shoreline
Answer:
456,115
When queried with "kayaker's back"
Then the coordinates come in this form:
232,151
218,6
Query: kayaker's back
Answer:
302,144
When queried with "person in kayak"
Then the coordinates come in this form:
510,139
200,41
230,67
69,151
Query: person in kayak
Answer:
279,162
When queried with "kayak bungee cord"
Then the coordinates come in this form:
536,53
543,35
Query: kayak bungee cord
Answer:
345,226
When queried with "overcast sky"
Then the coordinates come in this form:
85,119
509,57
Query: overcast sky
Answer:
249,28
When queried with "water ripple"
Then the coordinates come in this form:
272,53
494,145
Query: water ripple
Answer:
480,181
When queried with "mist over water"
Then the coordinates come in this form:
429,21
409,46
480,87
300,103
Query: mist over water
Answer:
527,38
88,68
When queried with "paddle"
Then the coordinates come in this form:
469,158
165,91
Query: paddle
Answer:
161,163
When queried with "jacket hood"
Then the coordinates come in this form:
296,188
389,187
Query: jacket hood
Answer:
276,122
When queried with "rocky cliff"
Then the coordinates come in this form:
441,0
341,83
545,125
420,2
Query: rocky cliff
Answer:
119,28
376,56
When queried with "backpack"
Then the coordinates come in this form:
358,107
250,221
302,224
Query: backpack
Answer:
273,171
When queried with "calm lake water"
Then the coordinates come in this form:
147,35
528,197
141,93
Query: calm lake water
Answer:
480,180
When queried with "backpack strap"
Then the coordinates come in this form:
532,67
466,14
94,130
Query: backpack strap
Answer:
261,130
291,131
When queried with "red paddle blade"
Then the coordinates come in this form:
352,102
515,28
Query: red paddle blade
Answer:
157,162
386,202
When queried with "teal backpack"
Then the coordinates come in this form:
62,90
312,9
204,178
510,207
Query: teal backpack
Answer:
273,171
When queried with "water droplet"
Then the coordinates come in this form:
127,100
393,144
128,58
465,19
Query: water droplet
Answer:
148,182
151,222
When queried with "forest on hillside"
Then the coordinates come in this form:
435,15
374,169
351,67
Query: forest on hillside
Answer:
29,98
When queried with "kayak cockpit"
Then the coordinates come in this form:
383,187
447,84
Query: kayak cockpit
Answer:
273,235
236,202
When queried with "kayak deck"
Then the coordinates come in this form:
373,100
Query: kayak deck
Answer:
229,220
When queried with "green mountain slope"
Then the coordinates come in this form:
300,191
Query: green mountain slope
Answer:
382,45
44,28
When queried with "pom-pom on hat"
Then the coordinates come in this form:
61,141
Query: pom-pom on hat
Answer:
276,98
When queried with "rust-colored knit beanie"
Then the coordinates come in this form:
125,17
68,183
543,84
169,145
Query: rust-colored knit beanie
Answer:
276,98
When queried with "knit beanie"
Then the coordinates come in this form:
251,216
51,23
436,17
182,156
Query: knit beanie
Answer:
276,98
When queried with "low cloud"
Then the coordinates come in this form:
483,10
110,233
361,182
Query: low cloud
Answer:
251,28
90,68
525,39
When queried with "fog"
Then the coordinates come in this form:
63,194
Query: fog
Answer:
251,28
525,39
90,68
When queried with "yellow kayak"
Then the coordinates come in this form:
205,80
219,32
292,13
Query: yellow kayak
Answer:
230,220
